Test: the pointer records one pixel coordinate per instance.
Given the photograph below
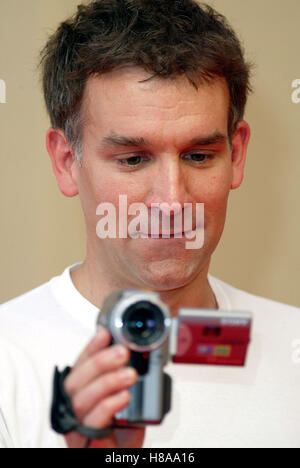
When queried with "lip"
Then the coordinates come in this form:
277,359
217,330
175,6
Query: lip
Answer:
171,234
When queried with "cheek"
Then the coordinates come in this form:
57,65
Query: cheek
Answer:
98,187
214,194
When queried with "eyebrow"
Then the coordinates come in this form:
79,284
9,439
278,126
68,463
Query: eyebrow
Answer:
113,139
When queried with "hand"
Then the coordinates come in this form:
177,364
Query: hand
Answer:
98,388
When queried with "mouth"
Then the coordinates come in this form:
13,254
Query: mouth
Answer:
166,235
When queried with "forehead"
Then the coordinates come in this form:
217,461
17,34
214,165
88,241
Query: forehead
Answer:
122,100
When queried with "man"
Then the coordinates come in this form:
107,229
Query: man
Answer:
146,99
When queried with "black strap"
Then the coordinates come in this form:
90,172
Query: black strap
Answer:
63,419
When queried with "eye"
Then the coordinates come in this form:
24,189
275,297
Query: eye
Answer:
133,161
136,161
199,157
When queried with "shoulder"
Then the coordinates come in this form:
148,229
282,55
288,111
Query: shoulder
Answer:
270,317
40,303
30,320
27,299
33,305
50,323
237,298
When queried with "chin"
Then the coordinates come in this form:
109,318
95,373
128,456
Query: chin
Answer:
168,274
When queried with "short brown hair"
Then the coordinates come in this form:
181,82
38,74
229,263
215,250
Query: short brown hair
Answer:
166,37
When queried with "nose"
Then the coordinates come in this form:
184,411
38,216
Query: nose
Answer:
169,185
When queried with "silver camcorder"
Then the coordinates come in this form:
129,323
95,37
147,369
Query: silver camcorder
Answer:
140,321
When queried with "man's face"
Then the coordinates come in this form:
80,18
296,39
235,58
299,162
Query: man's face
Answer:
170,116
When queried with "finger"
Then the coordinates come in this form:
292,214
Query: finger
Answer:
106,385
100,341
103,414
107,360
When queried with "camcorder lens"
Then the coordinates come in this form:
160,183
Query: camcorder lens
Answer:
143,323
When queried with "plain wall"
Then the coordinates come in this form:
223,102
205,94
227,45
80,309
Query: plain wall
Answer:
42,231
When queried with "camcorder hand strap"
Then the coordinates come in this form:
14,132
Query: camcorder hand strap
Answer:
63,419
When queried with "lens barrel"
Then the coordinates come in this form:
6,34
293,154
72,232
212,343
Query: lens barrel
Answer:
138,319
143,323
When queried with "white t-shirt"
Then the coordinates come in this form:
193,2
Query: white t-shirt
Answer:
212,406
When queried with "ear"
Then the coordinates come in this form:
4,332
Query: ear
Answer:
62,158
240,141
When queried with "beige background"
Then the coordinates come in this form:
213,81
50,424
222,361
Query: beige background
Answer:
42,231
